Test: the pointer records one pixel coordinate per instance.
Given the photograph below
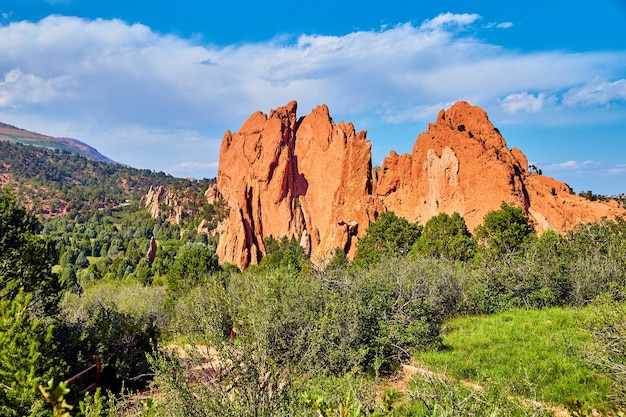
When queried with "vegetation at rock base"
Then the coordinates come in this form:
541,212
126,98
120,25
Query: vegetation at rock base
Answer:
504,322
445,236
389,235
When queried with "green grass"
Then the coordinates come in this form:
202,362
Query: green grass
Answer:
527,353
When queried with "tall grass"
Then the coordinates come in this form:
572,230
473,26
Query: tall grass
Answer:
535,354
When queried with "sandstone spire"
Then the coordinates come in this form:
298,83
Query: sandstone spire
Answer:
309,179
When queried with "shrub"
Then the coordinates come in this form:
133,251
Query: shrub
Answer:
26,358
607,350
194,262
388,236
445,236
504,231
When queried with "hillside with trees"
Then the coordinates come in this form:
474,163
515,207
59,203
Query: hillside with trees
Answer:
54,182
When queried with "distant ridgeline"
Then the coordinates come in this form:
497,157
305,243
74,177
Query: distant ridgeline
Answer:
16,135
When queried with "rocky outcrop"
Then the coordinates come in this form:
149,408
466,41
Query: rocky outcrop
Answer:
163,201
309,179
152,250
460,164
312,179
463,164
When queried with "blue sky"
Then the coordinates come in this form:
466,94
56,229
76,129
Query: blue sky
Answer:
156,84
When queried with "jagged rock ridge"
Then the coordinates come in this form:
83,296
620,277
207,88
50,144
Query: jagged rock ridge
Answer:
307,178
312,179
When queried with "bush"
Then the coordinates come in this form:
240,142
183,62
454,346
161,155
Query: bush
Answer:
121,322
607,351
445,236
26,358
504,231
374,317
193,264
123,342
388,236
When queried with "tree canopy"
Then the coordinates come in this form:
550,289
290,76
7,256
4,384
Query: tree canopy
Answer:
505,230
445,236
26,258
388,236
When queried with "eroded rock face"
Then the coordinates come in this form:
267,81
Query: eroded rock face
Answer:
463,164
312,179
309,179
460,164
160,200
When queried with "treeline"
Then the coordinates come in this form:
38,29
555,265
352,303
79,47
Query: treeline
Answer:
286,337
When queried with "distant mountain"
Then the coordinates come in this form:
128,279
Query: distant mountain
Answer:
16,135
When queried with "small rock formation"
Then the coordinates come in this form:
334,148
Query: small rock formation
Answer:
152,250
312,179
160,200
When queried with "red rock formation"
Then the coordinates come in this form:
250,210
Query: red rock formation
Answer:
312,179
309,179
462,163
152,250
161,200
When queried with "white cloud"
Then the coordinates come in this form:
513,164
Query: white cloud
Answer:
525,102
574,165
192,166
596,92
501,25
19,87
450,21
94,74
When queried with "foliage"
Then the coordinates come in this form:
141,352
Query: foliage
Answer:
25,358
347,396
54,394
122,340
607,350
286,254
504,231
237,379
26,259
445,236
194,263
388,236
589,195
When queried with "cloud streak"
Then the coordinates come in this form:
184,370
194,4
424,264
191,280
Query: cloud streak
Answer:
96,73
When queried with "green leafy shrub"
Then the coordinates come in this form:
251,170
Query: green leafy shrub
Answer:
26,258
194,263
607,350
445,236
388,236
504,231
26,358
